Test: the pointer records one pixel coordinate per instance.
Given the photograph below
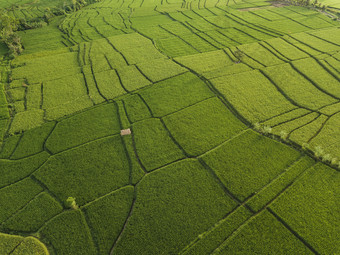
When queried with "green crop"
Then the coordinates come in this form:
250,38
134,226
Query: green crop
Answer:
203,126
310,192
9,146
73,223
253,95
19,245
109,84
231,163
285,49
17,195
84,127
316,73
32,141
175,94
305,133
267,231
31,217
154,146
208,241
102,163
106,217
199,200
160,69
297,87
126,127
15,170
279,184
136,109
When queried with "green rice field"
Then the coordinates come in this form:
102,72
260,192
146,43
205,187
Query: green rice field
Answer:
170,127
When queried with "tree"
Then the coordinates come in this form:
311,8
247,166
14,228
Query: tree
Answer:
8,27
238,55
78,4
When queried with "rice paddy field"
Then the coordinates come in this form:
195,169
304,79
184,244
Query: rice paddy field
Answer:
171,127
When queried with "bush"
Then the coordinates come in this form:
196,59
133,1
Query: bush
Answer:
284,135
239,55
318,152
71,203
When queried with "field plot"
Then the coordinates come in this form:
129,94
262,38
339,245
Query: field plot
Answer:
170,127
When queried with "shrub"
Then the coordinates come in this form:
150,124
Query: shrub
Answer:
283,135
334,161
262,128
71,203
257,126
266,130
305,146
318,151
327,158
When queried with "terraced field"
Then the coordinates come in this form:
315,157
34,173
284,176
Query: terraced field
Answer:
234,114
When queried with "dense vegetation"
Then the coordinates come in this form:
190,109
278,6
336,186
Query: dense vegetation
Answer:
234,114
